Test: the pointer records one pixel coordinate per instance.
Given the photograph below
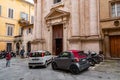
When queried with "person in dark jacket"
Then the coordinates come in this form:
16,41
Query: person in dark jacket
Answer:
8,58
22,53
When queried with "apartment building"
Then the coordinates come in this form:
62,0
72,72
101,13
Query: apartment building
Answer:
110,27
12,14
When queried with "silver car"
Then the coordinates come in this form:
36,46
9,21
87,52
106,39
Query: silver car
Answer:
39,58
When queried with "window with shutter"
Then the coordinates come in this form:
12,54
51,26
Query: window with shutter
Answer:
24,16
9,30
10,13
32,19
0,10
115,9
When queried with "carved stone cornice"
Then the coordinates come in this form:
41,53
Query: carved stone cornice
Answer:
56,13
110,29
85,38
36,41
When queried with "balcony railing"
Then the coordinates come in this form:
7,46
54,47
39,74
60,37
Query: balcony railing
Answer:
23,22
18,38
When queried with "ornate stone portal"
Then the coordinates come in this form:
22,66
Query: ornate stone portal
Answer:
57,18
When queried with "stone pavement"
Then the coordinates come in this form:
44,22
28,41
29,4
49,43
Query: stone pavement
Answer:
108,70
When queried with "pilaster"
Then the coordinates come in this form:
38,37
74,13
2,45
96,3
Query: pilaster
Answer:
35,20
94,17
39,19
107,50
82,19
75,18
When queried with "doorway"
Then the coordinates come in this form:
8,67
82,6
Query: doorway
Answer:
115,46
9,47
17,48
28,47
57,39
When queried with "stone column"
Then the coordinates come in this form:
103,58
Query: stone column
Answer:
35,20
38,24
65,35
75,18
94,17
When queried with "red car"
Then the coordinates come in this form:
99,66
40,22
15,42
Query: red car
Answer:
73,60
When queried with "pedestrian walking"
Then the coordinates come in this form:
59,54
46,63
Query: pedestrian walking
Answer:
8,58
22,53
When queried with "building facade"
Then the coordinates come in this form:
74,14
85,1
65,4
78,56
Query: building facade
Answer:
11,13
62,25
110,27
27,38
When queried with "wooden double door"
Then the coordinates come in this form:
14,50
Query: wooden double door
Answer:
57,39
115,46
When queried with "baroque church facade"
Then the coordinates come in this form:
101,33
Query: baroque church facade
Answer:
61,25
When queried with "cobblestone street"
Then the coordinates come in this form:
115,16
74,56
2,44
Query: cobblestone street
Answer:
108,70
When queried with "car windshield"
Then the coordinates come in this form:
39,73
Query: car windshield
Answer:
65,54
81,53
36,54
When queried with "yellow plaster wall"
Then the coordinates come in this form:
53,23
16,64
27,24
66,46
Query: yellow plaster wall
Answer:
18,6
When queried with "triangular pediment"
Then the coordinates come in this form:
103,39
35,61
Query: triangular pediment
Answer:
56,13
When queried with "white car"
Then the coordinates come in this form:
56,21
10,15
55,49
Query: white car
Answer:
39,58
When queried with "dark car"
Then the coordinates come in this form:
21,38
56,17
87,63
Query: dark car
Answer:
72,60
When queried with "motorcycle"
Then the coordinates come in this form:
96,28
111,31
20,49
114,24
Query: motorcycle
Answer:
95,58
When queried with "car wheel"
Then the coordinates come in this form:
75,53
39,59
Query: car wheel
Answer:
74,69
92,63
45,64
54,66
30,67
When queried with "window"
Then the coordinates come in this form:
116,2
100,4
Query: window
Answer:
37,54
65,54
48,53
29,30
24,16
57,1
115,9
0,10
9,30
10,13
32,19
21,31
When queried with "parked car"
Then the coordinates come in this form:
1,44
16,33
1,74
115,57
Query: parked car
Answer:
39,58
71,60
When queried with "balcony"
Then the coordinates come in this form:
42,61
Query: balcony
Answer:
23,22
18,38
